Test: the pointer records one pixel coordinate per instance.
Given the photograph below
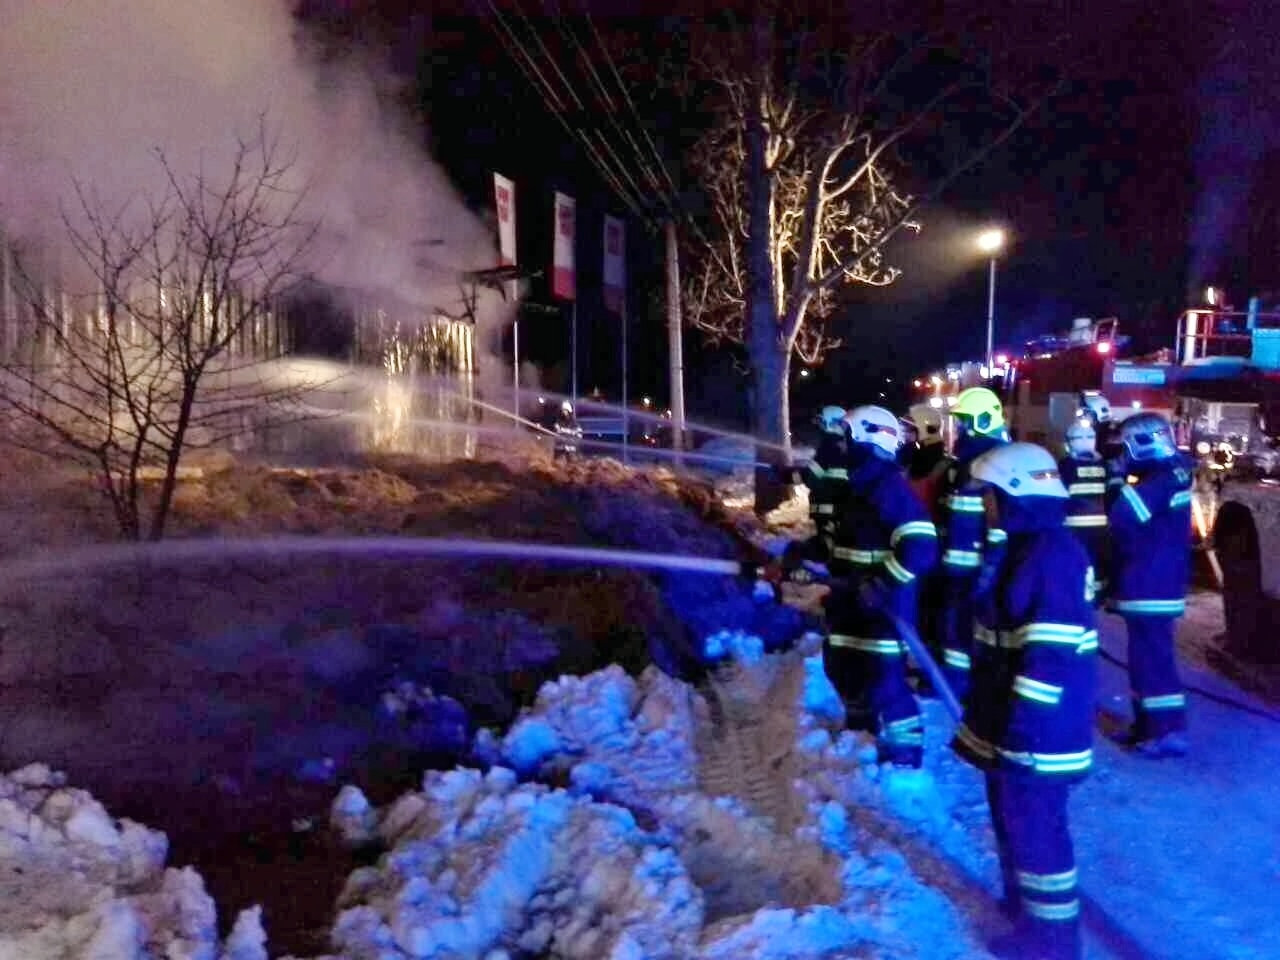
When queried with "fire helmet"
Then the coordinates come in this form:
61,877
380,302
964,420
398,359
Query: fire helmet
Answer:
831,419
1096,406
876,427
1147,437
979,411
928,423
1020,470
1082,438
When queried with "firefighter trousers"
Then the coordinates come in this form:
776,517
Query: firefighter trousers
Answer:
870,675
956,631
1159,699
1037,861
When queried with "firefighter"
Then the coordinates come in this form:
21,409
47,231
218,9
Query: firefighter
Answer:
926,467
884,542
971,546
929,458
910,442
1028,723
1150,521
827,479
1084,474
568,433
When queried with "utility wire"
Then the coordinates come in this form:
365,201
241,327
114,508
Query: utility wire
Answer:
529,68
619,167
672,193
611,109
626,93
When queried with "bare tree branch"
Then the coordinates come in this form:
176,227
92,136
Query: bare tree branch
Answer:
836,182
125,377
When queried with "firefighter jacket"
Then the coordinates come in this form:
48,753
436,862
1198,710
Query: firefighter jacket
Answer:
968,541
927,469
827,478
1031,703
568,435
1086,481
884,534
1150,520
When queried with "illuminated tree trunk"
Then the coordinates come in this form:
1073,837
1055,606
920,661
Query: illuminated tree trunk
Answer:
768,357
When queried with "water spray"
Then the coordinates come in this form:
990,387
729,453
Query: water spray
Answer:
611,444
104,557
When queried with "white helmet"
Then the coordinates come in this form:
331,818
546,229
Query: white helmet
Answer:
875,426
1082,439
566,407
928,423
1147,436
1020,470
1095,405
831,419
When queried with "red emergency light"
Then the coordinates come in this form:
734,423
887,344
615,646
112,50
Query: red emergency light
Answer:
1104,346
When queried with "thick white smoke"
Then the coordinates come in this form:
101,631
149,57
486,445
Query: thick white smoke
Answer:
90,88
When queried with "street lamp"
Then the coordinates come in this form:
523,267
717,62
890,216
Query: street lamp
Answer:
991,242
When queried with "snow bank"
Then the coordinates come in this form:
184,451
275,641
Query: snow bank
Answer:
76,883
784,871
482,867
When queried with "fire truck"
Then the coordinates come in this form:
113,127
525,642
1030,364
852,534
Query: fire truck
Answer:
1218,383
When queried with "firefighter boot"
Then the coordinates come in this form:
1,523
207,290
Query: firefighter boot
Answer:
1040,941
902,755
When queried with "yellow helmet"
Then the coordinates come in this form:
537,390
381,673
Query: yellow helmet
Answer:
982,409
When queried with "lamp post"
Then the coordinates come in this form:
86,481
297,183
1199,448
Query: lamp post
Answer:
991,242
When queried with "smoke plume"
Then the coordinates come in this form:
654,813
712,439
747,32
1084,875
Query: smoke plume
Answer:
89,89
1238,126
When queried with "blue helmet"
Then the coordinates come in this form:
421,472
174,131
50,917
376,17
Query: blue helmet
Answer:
831,419
1147,437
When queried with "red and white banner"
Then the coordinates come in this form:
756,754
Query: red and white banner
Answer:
615,264
504,195
564,278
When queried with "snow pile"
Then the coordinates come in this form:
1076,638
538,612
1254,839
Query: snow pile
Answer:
76,883
482,867
783,869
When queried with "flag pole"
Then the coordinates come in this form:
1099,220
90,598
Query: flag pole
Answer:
573,336
626,410
515,349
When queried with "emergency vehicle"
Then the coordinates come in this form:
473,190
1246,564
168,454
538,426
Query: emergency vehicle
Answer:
1219,382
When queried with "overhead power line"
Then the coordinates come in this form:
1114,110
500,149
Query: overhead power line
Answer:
555,103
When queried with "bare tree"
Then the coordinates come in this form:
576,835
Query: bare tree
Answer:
804,170
162,348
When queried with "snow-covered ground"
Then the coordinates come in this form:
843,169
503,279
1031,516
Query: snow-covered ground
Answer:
639,818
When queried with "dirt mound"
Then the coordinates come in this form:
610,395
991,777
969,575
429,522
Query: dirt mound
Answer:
240,694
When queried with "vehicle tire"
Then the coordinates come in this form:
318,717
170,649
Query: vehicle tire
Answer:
1235,537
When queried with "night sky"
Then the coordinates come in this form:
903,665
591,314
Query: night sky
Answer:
1152,174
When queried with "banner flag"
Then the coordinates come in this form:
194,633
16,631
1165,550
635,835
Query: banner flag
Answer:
615,264
564,279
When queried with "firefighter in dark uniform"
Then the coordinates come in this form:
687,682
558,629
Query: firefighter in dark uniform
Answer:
971,546
568,434
827,479
884,542
929,458
1150,521
1084,474
926,465
1028,721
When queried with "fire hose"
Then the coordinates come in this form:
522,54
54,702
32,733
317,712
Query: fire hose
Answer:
909,636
